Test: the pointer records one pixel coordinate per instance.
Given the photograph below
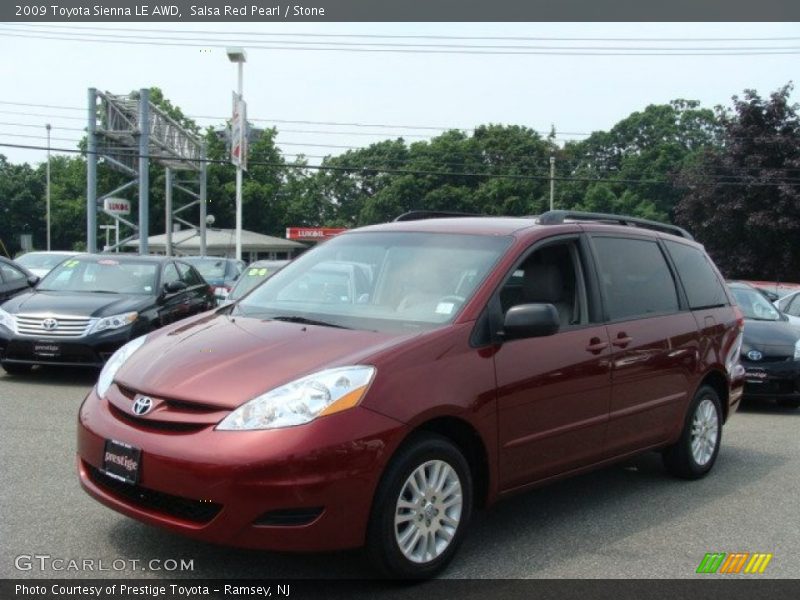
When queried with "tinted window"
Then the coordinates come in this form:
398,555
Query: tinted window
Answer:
793,308
635,278
170,274
188,275
9,274
703,287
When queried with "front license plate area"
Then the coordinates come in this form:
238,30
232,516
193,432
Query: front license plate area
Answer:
122,461
46,349
755,376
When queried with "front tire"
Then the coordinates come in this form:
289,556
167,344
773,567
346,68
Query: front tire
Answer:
693,455
16,368
421,509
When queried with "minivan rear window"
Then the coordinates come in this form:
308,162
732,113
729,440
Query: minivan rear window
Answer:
635,278
703,287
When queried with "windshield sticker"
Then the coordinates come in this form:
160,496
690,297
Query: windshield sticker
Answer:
445,308
71,263
252,272
108,261
262,272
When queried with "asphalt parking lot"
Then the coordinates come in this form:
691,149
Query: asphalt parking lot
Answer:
627,521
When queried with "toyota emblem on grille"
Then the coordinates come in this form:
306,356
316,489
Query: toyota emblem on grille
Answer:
755,355
142,405
50,324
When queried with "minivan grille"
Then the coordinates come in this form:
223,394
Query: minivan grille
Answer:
52,326
196,511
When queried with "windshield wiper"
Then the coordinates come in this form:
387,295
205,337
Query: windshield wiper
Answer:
306,321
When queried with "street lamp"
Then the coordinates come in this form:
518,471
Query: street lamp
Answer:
47,126
239,56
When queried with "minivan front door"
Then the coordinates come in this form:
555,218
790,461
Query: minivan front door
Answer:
553,392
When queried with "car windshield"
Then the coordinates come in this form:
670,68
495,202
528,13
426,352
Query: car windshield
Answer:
252,276
379,281
209,268
37,260
106,275
754,305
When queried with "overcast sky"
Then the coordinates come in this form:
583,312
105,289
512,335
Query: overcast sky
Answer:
575,93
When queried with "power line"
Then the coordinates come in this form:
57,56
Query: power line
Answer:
369,169
55,106
186,37
411,50
412,36
46,116
40,126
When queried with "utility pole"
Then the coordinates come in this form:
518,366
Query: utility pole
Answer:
238,56
47,126
552,180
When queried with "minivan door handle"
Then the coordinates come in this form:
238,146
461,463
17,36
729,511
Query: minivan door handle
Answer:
622,340
596,345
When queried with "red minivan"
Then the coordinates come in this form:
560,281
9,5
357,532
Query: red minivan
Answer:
385,384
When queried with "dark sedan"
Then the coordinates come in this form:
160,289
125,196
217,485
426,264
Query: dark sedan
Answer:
14,279
770,350
90,305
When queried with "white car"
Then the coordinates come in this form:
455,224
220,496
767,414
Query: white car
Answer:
790,306
41,263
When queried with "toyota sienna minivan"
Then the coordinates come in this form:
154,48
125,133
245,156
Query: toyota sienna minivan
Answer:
460,360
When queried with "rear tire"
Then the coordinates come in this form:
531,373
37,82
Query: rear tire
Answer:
693,455
16,368
421,509
789,403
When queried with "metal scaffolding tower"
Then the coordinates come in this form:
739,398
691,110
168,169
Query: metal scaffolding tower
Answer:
126,133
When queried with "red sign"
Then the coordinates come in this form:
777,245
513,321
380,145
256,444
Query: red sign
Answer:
312,234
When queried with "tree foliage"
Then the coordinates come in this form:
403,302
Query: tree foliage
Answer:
742,199
727,175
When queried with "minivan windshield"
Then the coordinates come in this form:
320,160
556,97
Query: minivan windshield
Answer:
754,305
381,281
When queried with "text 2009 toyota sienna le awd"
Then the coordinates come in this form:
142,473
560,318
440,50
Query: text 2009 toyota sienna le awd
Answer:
383,385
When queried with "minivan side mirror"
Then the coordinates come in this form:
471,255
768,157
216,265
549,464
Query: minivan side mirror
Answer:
33,280
530,320
174,286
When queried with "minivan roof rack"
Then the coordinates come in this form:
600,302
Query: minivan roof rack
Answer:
418,215
557,217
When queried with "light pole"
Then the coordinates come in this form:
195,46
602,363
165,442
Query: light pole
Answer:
47,126
552,180
239,56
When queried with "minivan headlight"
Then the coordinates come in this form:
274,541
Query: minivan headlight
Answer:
797,350
115,321
115,362
302,400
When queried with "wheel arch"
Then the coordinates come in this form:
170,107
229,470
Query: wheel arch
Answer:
469,442
716,380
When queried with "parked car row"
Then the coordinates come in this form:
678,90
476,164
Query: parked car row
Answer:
80,308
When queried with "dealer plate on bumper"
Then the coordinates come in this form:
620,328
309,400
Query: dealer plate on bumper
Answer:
46,349
755,376
122,461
